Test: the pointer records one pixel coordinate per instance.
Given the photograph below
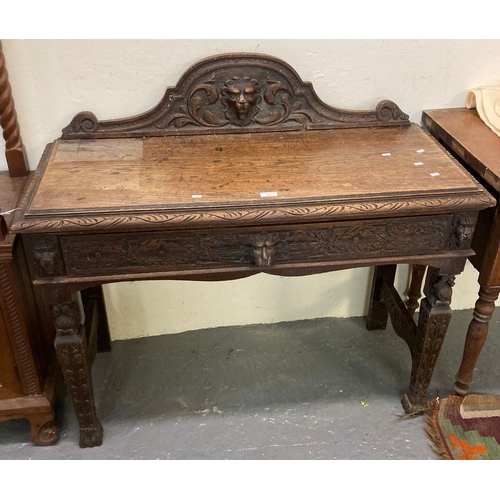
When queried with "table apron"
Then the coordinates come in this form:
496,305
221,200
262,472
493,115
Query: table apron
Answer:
262,248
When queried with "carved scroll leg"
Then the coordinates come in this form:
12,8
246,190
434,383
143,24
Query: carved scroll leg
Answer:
476,337
43,430
73,356
378,312
433,321
414,290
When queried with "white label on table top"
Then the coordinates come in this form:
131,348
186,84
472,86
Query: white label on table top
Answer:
268,194
386,154
196,196
418,163
435,174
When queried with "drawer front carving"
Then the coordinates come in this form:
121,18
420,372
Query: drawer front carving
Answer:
238,248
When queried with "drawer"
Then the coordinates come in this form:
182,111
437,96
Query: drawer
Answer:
253,247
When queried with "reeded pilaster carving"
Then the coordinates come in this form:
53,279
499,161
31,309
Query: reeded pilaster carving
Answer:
12,315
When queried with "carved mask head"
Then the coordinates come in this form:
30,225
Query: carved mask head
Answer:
45,255
240,98
263,253
464,229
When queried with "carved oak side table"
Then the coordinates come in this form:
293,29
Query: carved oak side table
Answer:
465,136
241,169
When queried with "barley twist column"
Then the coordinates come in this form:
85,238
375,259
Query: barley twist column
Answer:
14,148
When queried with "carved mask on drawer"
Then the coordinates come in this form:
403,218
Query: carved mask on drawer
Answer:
263,253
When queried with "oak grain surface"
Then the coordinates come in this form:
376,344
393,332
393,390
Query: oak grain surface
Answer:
115,174
10,192
470,138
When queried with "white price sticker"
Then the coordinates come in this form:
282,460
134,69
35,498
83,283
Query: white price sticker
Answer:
268,194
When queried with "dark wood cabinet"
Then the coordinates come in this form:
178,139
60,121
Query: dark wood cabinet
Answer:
27,361
28,365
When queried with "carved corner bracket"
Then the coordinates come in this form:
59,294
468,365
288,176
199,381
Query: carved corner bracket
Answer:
463,230
232,93
438,288
47,257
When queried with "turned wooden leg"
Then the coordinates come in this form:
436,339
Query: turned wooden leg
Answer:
433,321
73,355
378,312
414,290
43,430
476,337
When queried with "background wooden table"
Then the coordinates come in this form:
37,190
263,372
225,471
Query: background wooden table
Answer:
465,135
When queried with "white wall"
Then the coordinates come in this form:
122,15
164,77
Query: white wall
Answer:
54,79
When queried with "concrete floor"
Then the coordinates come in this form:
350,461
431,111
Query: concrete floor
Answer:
315,389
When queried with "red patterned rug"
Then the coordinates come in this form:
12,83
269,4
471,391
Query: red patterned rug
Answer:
465,428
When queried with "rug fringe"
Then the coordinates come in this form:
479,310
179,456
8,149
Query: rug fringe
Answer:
431,430
430,427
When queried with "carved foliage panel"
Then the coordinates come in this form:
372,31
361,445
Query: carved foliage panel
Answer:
211,250
432,326
239,98
71,357
235,92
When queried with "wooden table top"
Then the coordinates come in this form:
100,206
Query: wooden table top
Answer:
469,138
11,189
201,173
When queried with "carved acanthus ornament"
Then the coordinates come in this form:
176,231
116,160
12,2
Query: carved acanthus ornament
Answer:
234,92
237,102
